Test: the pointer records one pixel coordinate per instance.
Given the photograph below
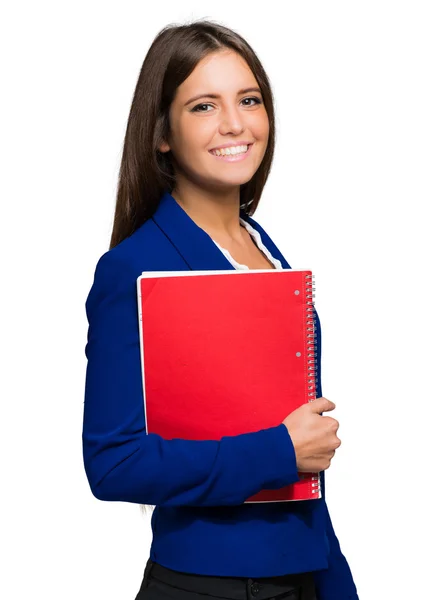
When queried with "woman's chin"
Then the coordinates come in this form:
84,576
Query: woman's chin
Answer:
234,179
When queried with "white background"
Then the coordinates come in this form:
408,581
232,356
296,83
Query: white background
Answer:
356,193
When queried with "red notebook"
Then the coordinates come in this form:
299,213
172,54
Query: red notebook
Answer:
228,352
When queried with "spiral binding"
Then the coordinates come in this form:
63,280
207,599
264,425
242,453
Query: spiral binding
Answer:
312,374
311,338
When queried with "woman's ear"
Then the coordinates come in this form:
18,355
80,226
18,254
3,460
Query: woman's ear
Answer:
164,147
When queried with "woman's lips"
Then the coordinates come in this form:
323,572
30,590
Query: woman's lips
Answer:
233,157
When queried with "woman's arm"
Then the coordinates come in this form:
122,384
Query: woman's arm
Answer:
122,461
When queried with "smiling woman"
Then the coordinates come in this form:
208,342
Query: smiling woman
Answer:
197,153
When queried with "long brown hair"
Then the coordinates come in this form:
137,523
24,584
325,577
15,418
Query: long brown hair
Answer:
145,172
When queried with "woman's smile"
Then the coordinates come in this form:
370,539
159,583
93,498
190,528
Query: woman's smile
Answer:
237,157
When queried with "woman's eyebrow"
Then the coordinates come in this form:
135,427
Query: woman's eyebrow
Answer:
244,91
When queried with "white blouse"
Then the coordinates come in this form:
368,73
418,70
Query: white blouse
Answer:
258,240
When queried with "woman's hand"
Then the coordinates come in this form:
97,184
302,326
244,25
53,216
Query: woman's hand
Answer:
313,435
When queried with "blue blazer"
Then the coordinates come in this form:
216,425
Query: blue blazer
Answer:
200,524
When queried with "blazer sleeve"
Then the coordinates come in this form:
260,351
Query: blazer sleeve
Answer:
124,463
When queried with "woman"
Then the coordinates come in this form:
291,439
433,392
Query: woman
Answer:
183,203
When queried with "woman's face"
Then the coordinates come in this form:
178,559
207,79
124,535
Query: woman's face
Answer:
233,116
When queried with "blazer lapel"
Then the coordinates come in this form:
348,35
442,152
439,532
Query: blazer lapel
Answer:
194,244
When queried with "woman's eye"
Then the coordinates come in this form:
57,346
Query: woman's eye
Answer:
256,101
195,109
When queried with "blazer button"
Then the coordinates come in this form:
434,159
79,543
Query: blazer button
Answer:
255,588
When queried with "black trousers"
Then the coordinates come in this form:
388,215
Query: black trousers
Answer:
160,583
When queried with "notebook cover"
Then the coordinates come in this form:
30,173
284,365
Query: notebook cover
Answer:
220,356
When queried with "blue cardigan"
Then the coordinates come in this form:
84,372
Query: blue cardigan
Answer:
200,524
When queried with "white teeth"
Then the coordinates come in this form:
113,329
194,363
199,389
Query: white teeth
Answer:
231,150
